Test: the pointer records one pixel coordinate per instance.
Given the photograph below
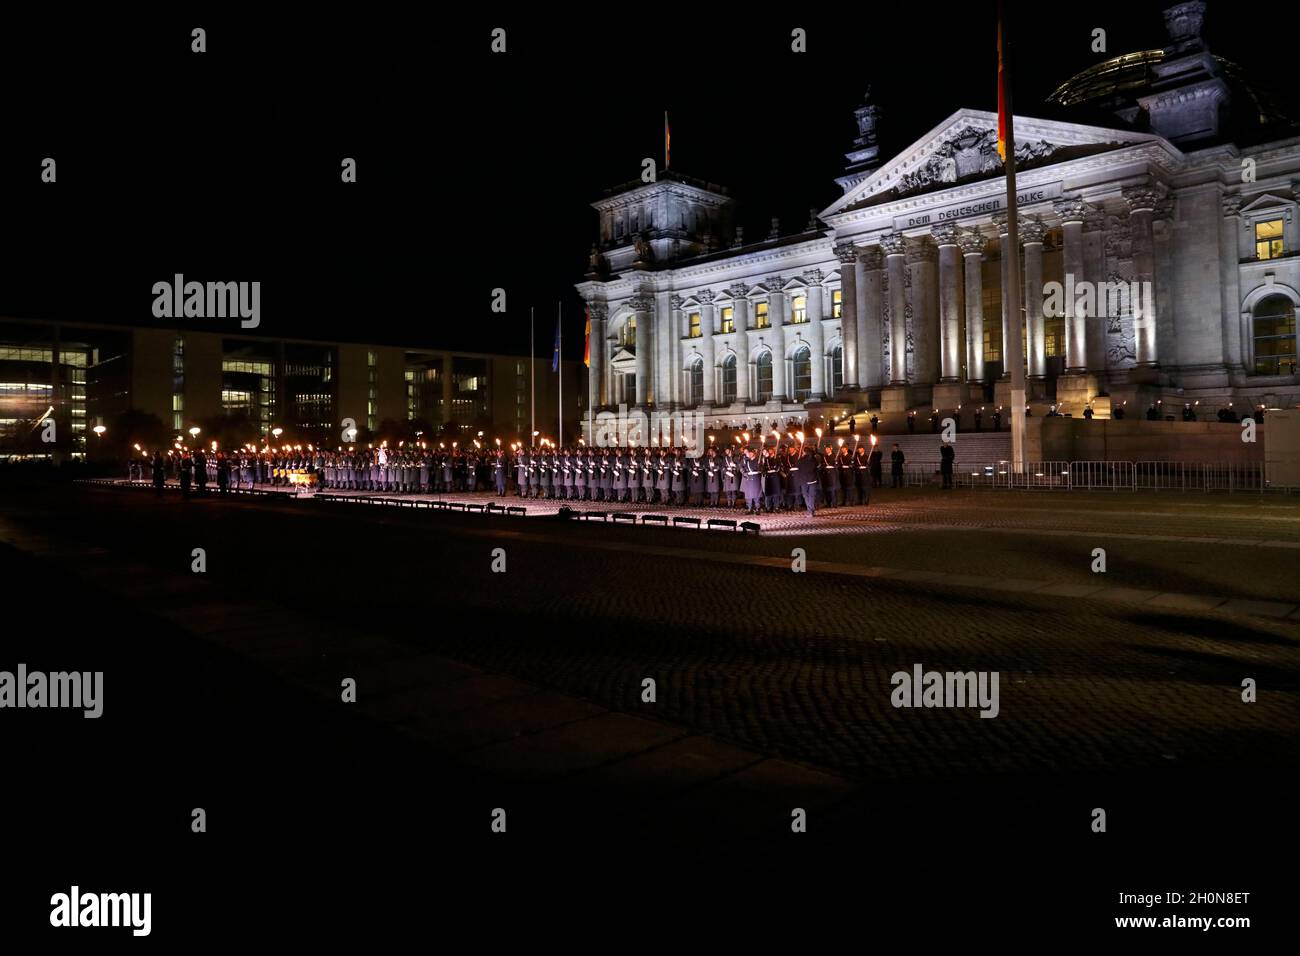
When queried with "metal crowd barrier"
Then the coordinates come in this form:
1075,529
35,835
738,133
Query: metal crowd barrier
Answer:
1092,476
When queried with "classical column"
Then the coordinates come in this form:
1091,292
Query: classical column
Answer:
740,303
596,371
1094,270
972,247
925,312
1230,281
776,317
946,236
705,297
1072,212
816,359
870,265
669,347
1032,232
847,254
895,249
1004,242
643,304
1141,203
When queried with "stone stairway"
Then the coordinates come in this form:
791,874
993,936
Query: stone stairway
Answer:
972,447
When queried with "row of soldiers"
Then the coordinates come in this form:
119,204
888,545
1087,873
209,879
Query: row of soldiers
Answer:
773,478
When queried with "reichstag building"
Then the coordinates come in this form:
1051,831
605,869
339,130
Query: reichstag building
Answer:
892,297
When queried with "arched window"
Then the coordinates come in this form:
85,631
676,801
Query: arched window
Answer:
728,380
802,368
837,368
1274,333
763,372
629,333
696,387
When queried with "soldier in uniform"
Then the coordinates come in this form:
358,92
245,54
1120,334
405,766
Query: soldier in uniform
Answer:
187,473
499,472
829,476
862,474
848,490
577,480
712,477
223,473
808,467
159,473
677,476
695,480
877,458
730,477
751,480
896,459
661,476
772,483
789,456
645,475
617,475
200,465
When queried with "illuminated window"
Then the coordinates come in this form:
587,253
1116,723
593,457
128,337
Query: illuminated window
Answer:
992,344
728,320
1274,333
760,315
178,383
798,310
728,380
1054,330
763,374
629,333
695,330
1268,239
837,304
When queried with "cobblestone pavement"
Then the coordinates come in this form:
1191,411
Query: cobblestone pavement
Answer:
787,665
524,688
1241,548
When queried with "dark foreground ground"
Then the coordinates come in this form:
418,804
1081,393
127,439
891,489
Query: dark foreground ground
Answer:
522,690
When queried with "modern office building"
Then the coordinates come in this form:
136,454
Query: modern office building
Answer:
79,375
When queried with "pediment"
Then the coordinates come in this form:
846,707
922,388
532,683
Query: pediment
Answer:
1266,201
623,355
964,148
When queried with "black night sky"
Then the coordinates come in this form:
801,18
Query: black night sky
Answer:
475,171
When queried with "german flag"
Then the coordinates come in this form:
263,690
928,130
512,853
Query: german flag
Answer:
1002,96
586,348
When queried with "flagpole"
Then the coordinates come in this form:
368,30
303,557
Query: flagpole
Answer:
559,363
532,378
1013,350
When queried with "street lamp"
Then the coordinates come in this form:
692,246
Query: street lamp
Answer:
194,432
